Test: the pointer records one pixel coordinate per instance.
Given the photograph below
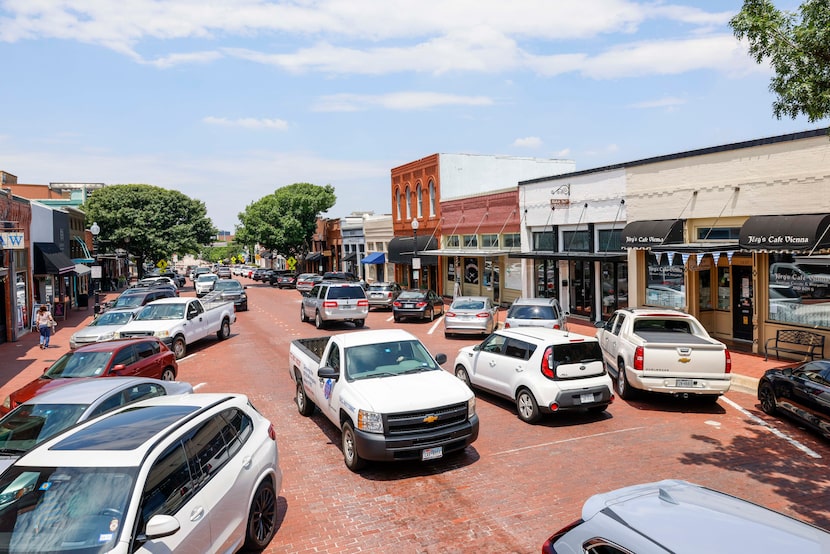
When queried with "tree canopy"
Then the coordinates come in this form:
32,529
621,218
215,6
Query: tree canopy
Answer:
797,46
149,222
285,220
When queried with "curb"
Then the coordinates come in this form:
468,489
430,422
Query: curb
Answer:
742,383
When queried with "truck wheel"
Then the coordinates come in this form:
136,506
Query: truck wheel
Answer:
179,347
318,321
169,374
303,317
461,373
359,322
767,397
304,405
527,407
623,387
224,331
262,517
349,443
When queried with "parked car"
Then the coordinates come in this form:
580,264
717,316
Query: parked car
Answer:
142,357
184,473
198,271
231,290
158,280
541,370
420,304
179,279
470,315
328,302
678,516
536,312
283,279
135,298
104,327
47,414
306,281
223,271
382,294
801,392
340,276
205,283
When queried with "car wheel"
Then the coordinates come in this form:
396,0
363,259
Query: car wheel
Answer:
169,374
349,442
318,320
623,387
767,397
262,517
179,347
224,331
461,373
303,317
397,318
359,322
304,405
431,314
526,406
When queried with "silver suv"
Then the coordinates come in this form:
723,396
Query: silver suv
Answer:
335,301
536,312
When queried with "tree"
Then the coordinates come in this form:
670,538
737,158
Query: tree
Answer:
798,48
151,223
285,220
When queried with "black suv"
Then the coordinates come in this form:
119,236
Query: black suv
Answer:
132,298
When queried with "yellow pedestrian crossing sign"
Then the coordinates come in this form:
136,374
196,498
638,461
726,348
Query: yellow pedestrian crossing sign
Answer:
291,263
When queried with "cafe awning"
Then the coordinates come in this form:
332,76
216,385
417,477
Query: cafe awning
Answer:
401,250
82,269
313,256
468,252
645,234
352,257
786,233
584,256
49,260
374,258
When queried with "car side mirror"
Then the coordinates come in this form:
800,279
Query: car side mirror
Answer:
118,367
160,525
787,372
599,324
441,358
245,287
327,372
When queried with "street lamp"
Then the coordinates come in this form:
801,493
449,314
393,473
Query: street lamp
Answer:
416,261
96,286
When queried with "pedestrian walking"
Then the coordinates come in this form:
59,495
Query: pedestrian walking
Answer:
45,323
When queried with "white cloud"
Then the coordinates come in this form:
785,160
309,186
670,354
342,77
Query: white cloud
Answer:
396,101
668,102
564,153
528,142
188,58
248,123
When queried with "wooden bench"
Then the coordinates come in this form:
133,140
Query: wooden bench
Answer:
795,341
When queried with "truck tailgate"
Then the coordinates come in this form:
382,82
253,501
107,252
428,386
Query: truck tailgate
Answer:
688,359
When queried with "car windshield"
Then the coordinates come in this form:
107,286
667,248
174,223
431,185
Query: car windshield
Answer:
63,509
129,301
161,311
227,285
112,318
79,364
411,295
30,424
207,278
531,312
387,359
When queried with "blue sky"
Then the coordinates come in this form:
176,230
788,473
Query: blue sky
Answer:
227,101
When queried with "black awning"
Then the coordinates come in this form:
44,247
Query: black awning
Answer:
401,249
698,247
789,233
350,257
585,256
313,257
49,260
645,234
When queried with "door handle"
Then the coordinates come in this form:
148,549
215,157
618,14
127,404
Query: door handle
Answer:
246,462
519,369
197,513
492,363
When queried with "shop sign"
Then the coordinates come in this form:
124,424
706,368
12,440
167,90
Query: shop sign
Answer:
12,241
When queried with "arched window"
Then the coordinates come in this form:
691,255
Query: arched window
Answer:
407,203
419,202
398,204
431,198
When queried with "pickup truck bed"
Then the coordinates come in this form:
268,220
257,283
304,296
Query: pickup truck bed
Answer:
671,337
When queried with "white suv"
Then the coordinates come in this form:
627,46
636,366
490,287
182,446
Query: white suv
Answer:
335,301
188,473
542,370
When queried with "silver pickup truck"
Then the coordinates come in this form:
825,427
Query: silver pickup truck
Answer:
666,351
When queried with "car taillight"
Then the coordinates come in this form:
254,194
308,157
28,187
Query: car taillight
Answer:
556,326
272,434
638,358
388,295
506,325
728,361
420,304
547,369
483,315
547,548
329,304
362,303
396,304
449,314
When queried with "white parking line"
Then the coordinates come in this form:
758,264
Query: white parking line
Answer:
435,325
200,385
778,433
544,444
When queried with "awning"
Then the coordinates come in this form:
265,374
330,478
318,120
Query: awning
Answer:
468,252
313,257
82,269
584,256
401,250
645,234
786,233
374,258
350,257
49,260
698,247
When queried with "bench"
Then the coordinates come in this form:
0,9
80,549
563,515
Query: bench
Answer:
793,341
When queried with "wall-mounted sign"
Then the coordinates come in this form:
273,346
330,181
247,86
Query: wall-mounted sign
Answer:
12,240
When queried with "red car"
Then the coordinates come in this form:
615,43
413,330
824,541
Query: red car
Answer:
141,357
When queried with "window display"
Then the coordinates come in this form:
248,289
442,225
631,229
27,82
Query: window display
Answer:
799,287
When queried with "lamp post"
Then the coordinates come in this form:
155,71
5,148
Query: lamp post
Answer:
416,261
96,285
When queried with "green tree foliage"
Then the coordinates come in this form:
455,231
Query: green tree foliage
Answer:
149,222
285,220
222,254
797,46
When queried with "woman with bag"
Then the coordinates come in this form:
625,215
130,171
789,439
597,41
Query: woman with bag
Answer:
45,322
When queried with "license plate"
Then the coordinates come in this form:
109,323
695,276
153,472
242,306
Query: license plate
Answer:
684,383
432,453
408,305
587,397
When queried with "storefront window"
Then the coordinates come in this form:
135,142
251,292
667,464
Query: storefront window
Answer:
545,271
724,289
577,241
799,290
512,240
471,271
471,241
490,241
453,241
704,285
544,241
614,287
22,292
609,240
666,282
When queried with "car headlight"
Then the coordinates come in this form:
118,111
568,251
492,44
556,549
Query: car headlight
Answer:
104,337
371,422
243,296
162,334
7,403
471,407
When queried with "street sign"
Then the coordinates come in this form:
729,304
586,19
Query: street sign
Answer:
291,263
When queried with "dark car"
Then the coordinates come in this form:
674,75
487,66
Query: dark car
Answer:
284,280
801,392
262,274
231,290
420,304
340,276
381,295
133,298
142,357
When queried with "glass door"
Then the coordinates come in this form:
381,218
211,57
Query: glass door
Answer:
582,287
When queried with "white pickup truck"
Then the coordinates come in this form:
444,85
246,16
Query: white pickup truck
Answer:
181,321
386,393
666,351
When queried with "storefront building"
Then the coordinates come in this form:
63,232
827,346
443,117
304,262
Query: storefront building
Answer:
377,231
15,270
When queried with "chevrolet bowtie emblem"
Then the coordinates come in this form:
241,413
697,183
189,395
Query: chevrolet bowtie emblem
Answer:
684,360
432,418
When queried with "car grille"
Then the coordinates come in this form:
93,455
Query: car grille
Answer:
135,334
405,424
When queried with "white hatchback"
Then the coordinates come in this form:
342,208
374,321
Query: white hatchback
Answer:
187,473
